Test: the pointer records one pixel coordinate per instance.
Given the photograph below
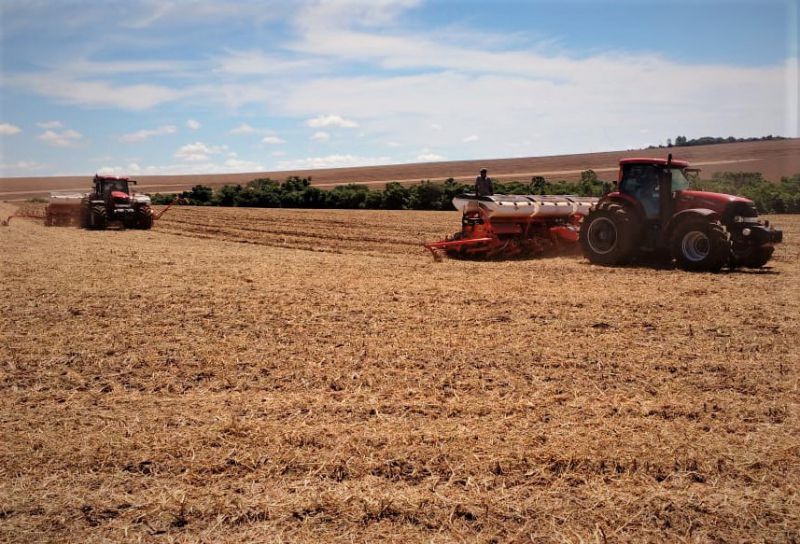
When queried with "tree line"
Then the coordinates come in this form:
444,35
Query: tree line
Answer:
683,141
297,192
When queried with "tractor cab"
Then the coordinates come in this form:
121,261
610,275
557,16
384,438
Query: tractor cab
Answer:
643,182
113,191
106,186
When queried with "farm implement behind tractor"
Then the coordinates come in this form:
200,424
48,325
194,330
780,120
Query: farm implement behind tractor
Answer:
111,202
501,226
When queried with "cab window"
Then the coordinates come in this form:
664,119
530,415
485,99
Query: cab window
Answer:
679,180
641,182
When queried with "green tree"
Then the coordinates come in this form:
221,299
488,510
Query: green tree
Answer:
426,196
395,196
538,184
199,194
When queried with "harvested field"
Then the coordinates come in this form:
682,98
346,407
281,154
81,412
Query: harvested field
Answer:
774,159
288,375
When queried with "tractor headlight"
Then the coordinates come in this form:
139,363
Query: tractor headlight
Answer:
746,232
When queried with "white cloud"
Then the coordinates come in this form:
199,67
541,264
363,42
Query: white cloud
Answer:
20,168
131,170
332,161
237,165
198,151
50,124
570,116
7,129
192,124
321,136
575,101
257,63
272,140
279,153
199,167
331,121
429,157
65,138
141,135
244,128
91,68
423,87
317,16
69,89
152,14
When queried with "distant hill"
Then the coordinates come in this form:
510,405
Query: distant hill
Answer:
772,158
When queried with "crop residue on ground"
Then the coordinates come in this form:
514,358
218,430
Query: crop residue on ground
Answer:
272,375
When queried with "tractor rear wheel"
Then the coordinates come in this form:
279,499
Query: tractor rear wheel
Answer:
97,217
700,245
609,236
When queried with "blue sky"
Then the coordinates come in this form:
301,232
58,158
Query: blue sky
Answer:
159,87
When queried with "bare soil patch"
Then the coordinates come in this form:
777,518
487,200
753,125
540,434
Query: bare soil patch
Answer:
275,375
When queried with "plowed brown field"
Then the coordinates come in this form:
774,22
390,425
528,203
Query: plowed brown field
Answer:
774,159
282,376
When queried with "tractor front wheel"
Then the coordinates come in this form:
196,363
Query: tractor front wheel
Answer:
609,235
144,220
754,256
700,245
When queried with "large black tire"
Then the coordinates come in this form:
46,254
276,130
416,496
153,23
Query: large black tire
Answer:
754,256
610,236
700,245
97,217
144,220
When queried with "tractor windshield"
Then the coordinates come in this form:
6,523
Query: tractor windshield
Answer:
679,181
116,185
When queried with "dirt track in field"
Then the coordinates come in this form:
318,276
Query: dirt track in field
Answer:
773,159
291,375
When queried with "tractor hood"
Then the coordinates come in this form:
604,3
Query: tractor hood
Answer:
701,199
119,195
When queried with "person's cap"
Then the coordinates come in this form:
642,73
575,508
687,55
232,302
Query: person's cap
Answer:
484,170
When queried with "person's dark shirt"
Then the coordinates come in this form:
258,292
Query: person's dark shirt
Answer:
483,186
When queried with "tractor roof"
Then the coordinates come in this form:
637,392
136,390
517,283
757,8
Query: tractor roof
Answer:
115,178
649,160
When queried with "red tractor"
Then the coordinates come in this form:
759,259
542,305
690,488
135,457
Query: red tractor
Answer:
112,201
653,213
